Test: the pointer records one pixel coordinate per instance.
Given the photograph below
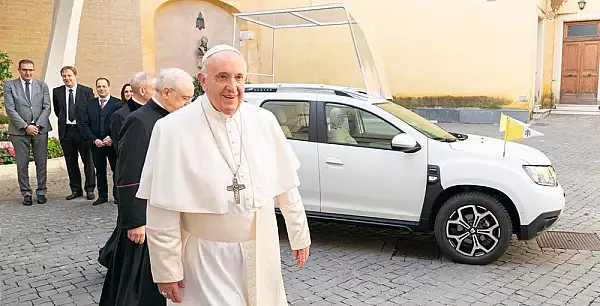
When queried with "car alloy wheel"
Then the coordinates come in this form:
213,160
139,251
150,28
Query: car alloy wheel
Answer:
473,230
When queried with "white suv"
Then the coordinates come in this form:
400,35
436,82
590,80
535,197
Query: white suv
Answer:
372,161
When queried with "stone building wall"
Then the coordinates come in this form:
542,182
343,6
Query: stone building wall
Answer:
109,37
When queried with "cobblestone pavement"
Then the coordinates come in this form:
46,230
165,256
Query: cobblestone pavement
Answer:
48,253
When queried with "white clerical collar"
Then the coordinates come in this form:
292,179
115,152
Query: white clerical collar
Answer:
136,101
159,104
211,111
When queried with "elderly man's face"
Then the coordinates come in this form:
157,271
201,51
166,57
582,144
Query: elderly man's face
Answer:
224,82
177,96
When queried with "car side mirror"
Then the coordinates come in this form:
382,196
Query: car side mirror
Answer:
405,143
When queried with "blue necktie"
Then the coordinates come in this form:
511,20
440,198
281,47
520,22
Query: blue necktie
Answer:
27,93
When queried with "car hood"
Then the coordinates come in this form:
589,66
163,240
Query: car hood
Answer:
494,147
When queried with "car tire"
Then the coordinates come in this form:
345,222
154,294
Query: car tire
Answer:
455,233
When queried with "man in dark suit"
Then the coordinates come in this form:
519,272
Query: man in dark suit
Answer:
27,103
95,129
142,85
67,99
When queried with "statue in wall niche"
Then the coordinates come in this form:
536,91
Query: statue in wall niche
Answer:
202,48
202,45
200,22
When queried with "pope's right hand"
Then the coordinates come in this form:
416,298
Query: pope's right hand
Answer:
171,291
137,235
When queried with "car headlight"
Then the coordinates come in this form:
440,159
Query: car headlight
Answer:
542,175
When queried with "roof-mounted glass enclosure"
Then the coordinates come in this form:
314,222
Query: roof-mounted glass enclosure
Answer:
373,80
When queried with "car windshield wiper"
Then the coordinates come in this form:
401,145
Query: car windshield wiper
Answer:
445,139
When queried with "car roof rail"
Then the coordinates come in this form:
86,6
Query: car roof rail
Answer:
310,88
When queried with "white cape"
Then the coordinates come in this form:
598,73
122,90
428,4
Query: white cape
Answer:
185,171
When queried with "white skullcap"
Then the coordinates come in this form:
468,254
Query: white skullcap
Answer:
219,48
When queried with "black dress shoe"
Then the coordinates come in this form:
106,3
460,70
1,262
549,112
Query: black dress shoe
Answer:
41,199
90,196
100,201
27,200
74,195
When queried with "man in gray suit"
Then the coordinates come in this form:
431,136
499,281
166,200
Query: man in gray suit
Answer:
27,102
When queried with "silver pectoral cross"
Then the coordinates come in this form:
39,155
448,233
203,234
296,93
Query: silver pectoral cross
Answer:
236,187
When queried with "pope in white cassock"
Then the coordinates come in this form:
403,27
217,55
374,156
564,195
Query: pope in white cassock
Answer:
211,175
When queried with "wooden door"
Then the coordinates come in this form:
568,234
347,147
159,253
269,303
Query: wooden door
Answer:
580,63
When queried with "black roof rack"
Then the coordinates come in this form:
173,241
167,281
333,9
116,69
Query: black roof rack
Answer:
260,89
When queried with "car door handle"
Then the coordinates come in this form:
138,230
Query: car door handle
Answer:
333,160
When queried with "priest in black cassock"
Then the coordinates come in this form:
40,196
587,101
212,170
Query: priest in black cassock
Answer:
142,86
129,280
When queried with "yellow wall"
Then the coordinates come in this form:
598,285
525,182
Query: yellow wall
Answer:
547,82
25,31
108,44
571,7
434,47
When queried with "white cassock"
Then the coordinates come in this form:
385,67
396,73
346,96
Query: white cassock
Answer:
226,253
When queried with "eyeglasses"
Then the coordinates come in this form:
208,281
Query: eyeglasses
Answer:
186,98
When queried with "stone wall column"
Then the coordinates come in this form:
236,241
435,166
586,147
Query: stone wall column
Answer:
62,46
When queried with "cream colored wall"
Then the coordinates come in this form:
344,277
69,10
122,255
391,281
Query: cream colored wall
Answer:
432,47
109,43
25,30
148,9
571,7
547,81
176,35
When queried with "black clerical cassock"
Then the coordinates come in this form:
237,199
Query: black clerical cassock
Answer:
117,118
129,278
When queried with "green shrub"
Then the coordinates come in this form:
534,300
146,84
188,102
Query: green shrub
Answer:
7,155
54,148
452,101
5,75
4,119
198,91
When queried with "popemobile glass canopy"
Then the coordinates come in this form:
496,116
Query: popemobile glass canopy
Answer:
372,79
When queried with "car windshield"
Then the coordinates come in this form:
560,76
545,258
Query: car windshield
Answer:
421,124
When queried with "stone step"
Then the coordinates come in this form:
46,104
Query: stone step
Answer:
576,112
541,113
576,107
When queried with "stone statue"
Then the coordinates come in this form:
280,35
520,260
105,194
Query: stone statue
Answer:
202,48
200,22
203,42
